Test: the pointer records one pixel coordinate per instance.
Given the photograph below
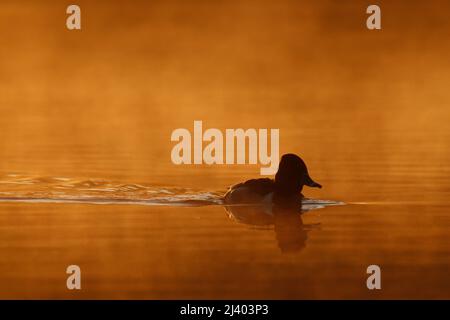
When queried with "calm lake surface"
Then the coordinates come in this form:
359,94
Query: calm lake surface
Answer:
94,110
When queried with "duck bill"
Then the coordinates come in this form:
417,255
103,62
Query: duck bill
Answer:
311,183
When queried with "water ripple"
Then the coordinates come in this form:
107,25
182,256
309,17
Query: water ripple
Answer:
17,188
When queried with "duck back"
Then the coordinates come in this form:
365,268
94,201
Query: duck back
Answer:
250,191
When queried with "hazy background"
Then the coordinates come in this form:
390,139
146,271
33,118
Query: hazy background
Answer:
105,100
367,110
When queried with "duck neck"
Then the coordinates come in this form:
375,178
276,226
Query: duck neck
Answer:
287,186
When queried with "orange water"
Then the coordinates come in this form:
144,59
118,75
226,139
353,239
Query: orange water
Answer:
368,112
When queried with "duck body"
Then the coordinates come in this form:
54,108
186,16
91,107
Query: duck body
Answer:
251,191
286,188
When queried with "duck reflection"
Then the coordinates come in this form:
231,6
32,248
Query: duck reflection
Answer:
291,233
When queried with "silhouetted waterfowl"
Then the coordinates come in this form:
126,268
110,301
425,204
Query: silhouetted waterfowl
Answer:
292,175
285,219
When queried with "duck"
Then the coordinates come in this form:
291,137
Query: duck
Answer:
286,188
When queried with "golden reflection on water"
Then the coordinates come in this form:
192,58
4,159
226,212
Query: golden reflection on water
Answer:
368,112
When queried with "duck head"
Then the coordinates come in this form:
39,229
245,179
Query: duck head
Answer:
292,175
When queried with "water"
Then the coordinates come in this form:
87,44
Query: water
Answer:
85,170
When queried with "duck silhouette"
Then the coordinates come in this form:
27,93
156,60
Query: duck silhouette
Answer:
275,203
286,188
